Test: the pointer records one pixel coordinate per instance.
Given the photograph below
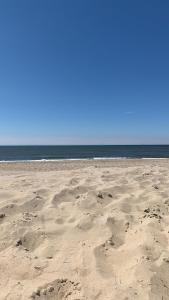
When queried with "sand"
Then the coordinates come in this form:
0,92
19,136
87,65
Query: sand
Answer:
84,230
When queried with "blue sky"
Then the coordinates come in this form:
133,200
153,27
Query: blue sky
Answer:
84,72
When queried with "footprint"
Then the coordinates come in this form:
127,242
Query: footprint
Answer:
103,261
118,229
68,195
160,283
31,240
35,204
60,221
86,222
88,202
59,289
10,209
103,253
42,192
73,181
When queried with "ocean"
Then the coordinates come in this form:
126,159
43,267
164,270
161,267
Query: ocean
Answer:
22,153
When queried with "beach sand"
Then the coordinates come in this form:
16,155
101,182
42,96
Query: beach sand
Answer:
84,230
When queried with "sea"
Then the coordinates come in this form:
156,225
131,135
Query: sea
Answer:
37,153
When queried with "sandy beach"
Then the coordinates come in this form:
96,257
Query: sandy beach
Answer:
84,230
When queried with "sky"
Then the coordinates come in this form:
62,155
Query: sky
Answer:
84,72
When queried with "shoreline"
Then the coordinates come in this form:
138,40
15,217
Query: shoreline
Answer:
58,165
80,159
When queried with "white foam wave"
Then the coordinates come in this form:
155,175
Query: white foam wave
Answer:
80,159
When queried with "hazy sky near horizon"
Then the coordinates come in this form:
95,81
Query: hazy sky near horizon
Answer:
84,72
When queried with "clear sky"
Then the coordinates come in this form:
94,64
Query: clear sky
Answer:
84,71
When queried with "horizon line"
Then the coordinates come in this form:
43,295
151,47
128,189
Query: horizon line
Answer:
60,145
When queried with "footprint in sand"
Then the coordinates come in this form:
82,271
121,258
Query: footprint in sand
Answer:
59,289
68,195
31,240
35,204
118,229
86,222
95,200
103,261
74,181
160,282
104,252
60,221
10,209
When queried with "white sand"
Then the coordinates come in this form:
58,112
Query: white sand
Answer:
91,230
